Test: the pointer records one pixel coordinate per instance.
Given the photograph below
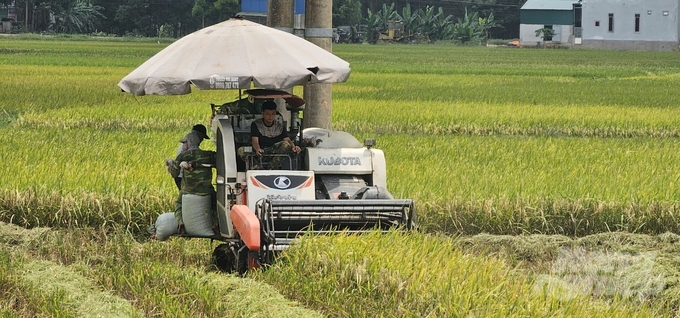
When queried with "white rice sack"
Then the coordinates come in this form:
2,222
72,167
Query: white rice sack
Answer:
166,225
197,214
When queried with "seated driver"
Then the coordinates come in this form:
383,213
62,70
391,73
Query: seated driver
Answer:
268,136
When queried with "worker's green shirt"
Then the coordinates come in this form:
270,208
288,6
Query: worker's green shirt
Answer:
198,180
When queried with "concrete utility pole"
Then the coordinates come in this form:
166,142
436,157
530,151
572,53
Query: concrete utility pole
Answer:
281,16
318,30
26,20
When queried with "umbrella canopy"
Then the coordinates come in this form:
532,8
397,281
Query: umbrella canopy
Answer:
232,55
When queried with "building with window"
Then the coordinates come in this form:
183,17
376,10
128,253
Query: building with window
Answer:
603,24
631,24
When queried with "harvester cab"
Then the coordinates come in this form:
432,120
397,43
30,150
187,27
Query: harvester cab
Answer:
336,183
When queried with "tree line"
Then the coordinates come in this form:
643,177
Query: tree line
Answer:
459,20
435,20
428,25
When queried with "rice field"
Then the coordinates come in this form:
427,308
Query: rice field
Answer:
459,126
556,146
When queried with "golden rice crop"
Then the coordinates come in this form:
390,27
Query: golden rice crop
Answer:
85,272
484,119
416,275
471,129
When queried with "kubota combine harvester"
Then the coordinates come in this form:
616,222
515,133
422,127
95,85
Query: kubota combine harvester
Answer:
335,184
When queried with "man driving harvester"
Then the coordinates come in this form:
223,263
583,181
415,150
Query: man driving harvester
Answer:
269,136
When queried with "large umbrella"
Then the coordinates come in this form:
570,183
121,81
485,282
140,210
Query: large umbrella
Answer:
232,55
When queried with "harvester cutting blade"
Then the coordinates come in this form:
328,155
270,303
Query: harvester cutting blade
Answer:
283,221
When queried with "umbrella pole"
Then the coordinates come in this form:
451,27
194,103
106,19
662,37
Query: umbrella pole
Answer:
301,138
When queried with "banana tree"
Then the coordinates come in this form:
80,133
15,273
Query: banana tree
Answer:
434,23
485,24
466,30
77,17
411,21
546,34
387,13
374,25
426,16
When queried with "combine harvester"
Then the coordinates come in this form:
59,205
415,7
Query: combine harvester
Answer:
334,184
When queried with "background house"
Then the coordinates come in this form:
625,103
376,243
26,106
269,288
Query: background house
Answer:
604,24
631,24
555,14
8,18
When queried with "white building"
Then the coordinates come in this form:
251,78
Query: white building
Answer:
631,24
605,24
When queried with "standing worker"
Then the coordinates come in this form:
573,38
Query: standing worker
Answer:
192,140
188,171
197,166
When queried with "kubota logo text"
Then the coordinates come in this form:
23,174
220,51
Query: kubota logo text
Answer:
337,161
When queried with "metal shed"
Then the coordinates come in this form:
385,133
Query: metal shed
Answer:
555,14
